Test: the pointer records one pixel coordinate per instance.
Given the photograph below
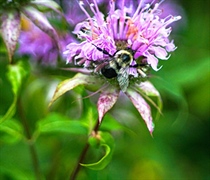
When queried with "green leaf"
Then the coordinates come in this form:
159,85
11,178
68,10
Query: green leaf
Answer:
58,123
15,162
11,131
91,82
49,4
189,72
16,75
12,171
111,124
11,111
106,142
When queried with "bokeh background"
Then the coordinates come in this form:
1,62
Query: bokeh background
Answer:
179,148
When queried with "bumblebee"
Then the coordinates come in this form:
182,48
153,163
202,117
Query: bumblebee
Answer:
118,66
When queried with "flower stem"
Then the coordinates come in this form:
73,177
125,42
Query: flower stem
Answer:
32,148
82,155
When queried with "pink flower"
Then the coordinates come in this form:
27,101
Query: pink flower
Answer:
116,52
143,31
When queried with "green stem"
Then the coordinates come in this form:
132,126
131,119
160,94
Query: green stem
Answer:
31,145
83,154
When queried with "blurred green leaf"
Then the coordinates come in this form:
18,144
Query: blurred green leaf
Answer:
111,124
101,164
89,117
15,162
10,112
46,5
16,75
13,172
11,131
58,123
79,79
190,73
106,142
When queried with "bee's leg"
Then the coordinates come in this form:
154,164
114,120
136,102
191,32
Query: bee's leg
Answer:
102,50
142,69
99,67
142,73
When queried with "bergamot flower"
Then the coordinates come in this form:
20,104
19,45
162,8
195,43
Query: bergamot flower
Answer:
117,50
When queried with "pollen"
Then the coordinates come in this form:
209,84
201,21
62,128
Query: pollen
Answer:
132,29
94,33
25,24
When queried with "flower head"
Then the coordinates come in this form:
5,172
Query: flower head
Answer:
141,30
122,46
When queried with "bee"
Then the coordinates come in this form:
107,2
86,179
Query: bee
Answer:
118,64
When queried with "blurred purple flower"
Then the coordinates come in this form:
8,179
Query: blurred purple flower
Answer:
10,19
39,45
167,7
120,48
73,12
171,7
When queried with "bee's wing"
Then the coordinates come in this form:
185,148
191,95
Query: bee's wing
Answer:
123,78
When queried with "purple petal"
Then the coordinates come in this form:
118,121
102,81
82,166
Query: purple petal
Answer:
40,21
170,46
152,60
142,106
10,30
106,101
160,52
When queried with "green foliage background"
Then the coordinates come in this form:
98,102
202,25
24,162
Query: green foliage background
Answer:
179,148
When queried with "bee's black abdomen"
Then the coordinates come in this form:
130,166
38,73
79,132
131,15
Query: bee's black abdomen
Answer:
108,72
